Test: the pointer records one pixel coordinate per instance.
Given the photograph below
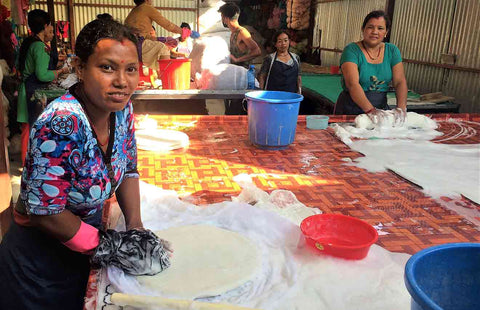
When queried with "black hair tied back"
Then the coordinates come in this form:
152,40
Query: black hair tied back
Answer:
104,16
104,27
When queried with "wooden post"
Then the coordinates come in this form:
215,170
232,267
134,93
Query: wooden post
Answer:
51,12
71,20
389,9
5,186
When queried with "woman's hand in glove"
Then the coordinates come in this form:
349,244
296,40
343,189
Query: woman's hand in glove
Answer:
195,35
377,116
399,117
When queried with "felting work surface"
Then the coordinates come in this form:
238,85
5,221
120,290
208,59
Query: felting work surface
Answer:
317,169
314,169
207,261
290,275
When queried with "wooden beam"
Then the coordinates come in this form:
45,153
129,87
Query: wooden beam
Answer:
444,66
389,9
313,11
51,11
5,186
413,61
115,6
71,20
198,16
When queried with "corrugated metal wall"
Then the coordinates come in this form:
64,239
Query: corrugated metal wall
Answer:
61,13
421,30
425,29
84,11
339,23
465,43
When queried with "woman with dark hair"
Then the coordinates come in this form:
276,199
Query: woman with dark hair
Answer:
368,66
33,64
82,150
281,69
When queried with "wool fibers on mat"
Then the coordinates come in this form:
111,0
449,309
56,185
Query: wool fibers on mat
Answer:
292,275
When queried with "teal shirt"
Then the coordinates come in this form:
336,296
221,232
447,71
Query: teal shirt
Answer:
373,77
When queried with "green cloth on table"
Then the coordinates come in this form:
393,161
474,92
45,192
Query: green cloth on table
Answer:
327,85
410,95
330,87
372,77
36,62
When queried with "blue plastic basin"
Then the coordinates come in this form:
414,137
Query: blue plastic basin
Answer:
445,277
272,118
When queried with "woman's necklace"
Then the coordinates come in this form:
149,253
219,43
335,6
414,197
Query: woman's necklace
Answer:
284,57
98,139
81,94
368,53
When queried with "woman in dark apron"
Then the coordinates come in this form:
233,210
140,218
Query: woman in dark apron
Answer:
281,70
368,67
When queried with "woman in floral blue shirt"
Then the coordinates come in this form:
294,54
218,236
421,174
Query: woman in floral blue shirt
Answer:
81,151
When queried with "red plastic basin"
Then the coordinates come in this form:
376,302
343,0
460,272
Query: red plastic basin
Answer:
339,235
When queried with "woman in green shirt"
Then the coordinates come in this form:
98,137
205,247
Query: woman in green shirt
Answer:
33,64
368,66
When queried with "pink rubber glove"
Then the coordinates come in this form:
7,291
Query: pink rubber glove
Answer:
186,33
399,117
85,240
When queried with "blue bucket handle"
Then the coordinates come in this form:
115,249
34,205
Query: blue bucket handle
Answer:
244,107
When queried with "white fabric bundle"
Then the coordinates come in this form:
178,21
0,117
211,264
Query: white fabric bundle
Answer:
208,52
223,77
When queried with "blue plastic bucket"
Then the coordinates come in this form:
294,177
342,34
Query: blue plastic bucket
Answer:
272,118
445,277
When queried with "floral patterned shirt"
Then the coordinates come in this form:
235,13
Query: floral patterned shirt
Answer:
65,168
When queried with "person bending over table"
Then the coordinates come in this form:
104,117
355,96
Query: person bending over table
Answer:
82,150
368,66
140,19
36,69
281,69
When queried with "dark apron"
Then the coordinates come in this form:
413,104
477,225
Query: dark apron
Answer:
38,272
283,77
346,106
32,83
34,106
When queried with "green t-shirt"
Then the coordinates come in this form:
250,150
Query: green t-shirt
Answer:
373,77
36,62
